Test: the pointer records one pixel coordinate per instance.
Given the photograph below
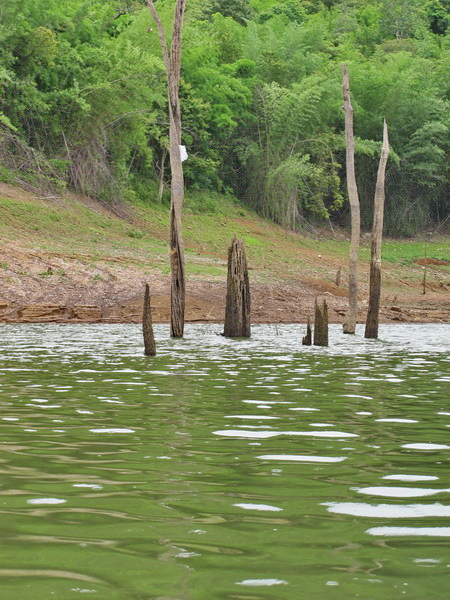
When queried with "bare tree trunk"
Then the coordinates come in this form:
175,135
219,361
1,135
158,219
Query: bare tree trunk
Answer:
307,339
321,324
178,285
172,62
352,314
237,310
147,327
377,236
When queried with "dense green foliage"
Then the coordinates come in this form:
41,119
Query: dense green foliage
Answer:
83,100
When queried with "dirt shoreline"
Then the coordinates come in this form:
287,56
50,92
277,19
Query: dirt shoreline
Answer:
271,303
49,275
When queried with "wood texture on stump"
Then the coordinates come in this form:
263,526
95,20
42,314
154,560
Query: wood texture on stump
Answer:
373,311
177,282
307,339
321,324
237,310
147,326
352,190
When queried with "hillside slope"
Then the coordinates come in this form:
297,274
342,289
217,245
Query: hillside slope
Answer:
71,259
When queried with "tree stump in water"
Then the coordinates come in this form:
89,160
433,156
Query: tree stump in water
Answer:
147,327
373,311
172,62
307,339
321,324
237,311
352,190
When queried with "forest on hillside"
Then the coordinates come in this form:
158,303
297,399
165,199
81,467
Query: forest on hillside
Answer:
83,102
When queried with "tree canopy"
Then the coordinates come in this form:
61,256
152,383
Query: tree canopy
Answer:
82,92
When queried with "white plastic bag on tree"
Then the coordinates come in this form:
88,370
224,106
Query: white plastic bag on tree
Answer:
183,153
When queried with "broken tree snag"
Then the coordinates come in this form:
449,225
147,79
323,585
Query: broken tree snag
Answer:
172,63
321,324
147,327
377,236
352,190
307,339
237,310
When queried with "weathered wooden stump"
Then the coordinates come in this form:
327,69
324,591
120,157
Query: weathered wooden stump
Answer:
307,339
321,324
147,327
371,330
237,310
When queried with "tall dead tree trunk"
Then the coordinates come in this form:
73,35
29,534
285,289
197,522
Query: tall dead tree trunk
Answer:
147,326
172,63
377,236
237,310
352,189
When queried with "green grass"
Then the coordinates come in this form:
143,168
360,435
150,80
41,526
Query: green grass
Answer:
406,252
209,223
212,271
401,252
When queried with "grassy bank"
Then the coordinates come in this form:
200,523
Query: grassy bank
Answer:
137,234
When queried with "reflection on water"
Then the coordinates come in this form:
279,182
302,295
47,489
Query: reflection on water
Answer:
238,469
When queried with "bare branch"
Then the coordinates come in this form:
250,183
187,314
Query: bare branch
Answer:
162,35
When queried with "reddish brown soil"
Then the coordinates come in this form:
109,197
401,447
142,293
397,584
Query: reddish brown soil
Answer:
432,261
50,286
117,296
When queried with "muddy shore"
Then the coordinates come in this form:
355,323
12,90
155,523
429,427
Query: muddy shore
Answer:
118,298
49,275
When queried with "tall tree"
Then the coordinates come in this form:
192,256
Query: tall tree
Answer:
377,235
172,63
352,314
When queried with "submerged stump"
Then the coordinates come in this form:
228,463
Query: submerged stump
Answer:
147,326
307,339
321,324
237,310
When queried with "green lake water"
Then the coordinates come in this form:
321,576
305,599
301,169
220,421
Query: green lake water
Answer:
224,469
